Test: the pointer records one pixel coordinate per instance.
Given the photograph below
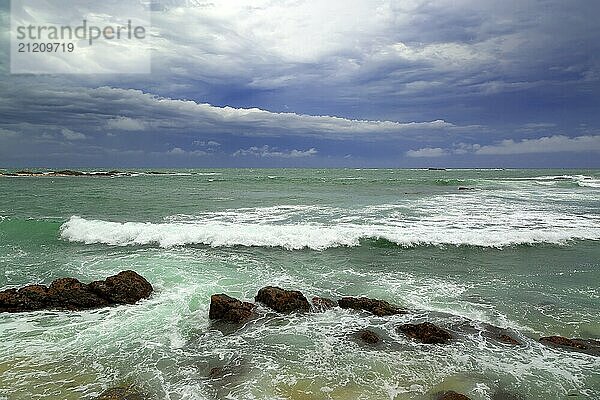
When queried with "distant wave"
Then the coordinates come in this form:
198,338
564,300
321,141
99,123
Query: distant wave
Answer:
318,236
577,180
593,183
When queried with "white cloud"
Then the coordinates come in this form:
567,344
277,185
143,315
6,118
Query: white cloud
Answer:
255,121
211,144
115,110
443,55
428,152
47,136
178,151
539,125
268,151
546,144
72,135
125,124
263,44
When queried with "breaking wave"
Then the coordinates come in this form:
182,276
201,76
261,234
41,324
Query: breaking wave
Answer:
319,236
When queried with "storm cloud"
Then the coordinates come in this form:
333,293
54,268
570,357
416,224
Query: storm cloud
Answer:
463,83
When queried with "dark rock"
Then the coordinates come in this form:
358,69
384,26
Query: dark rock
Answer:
507,339
488,331
498,334
68,172
111,173
563,341
426,332
222,376
34,296
126,287
121,393
451,395
69,294
589,346
227,372
436,169
11,301
216,372
368,336
465,188
321,304
228,309
378,307
281,300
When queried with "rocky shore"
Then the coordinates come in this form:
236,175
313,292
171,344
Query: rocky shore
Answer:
66,173
230,310
75,173
128,287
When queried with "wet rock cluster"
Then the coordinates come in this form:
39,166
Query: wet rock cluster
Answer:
283,301
378,307
426,332
589,346
126,287
228,309
65,173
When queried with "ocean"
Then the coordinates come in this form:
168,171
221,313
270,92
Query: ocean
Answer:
517,249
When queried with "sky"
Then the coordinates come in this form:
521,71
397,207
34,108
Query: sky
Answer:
293,83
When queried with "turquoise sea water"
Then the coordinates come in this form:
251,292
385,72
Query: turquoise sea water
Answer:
520,250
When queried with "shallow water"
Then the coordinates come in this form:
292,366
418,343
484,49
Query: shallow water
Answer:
519,251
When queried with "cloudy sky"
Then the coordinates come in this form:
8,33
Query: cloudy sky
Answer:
404,83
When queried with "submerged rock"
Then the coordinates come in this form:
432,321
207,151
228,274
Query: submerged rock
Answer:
368,336
490,332
281,300
229,309
451,395
121,393
223,376
507,339
378,307
321,304
589,346
69,294
503,395
426,332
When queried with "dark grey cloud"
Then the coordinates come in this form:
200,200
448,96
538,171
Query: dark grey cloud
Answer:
413,80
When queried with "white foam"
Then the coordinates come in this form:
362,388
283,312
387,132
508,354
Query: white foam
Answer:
438,225
592,183
548,180
555,177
